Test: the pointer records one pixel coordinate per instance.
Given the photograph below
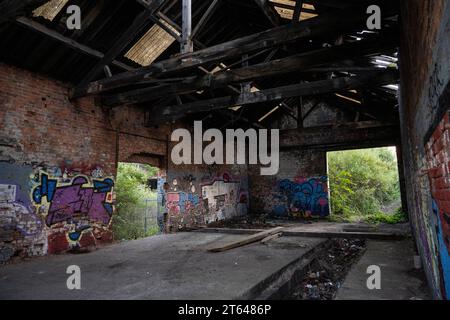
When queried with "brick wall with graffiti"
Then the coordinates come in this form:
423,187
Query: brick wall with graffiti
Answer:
204,194
22,231
57,164
299,190
424,105
438,172
53,209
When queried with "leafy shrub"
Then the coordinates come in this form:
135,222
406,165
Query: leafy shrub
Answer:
398,217
361,182
131,195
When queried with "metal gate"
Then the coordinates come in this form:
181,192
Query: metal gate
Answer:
150,217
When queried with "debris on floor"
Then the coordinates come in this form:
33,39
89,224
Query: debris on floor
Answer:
248,222
327,272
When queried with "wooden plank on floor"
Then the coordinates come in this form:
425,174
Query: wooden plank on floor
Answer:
230,230
250,239
272,237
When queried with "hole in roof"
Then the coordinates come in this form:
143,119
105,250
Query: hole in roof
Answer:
50,9
285,9
152,45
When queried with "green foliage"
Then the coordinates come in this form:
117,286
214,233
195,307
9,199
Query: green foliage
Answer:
131,192
361,183
398,217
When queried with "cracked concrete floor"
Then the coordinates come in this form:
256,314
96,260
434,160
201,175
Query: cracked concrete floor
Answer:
175,266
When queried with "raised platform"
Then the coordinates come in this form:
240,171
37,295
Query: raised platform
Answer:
174,266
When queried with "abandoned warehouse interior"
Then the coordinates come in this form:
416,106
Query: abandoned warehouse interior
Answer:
75,102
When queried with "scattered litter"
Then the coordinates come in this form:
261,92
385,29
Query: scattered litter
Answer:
327,272
257,222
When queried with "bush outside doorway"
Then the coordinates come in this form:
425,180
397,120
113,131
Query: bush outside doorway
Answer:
136,204
364,186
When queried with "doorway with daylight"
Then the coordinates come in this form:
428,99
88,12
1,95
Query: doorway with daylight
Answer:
364,186
137,207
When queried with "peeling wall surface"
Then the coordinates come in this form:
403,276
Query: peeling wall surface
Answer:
300,189
425,101
58,163
203,194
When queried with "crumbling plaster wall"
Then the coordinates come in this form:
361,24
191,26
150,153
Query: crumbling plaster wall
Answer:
425,101
200,194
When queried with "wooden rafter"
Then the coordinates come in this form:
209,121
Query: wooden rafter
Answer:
37,27
269,12
297,10
252,73
141,21
206,16
276,94
352,135
12,9
326,24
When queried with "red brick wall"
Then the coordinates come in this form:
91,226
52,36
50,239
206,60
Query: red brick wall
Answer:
438,169
42,132
46,127
425,83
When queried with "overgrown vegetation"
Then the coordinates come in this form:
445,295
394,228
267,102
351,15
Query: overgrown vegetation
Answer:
131,195
363,185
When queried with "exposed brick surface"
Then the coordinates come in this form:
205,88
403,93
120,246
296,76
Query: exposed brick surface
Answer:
425,99
43,132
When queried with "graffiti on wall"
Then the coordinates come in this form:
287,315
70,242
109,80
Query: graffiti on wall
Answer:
436,217
442,223
79,197
19,226
223,198
76,210
302,197
190,202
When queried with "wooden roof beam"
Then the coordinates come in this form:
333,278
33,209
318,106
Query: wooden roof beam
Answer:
276,94
269,12
141,21
273,68
331,23
12,9
52,34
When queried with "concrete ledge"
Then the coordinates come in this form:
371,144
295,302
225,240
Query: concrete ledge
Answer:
313,234
348,235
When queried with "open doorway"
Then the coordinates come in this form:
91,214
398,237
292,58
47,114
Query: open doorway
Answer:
365,186
136,214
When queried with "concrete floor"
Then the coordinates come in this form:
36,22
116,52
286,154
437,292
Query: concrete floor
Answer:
161,267
399,279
